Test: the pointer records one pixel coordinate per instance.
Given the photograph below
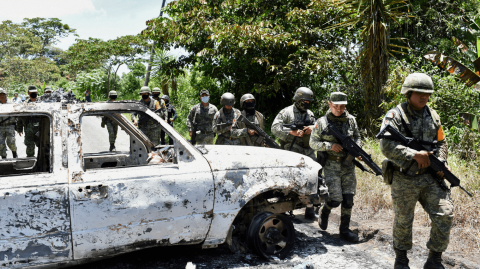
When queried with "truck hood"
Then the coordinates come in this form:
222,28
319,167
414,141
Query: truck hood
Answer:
237,157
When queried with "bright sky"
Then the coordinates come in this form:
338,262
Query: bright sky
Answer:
104,19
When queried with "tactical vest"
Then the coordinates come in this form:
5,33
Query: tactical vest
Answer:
248,140
428,132
236,113
144,118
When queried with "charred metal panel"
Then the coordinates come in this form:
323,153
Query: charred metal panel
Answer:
35,225
242,173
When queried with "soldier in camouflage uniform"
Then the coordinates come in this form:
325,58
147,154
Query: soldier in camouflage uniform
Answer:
250,137
340,178
415,118
7,130
299,114
30,124
202,115
112,126
145,123
225,121
156,95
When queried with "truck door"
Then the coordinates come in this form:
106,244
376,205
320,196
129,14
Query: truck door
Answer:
120,202
34,204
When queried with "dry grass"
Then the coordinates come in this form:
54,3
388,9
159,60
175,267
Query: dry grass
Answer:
373,202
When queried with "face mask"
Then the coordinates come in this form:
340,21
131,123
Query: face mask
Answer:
113,97
205,99
306,105
166,101
155,95
33,95
145,97
249,105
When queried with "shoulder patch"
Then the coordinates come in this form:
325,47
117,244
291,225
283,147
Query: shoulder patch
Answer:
390,115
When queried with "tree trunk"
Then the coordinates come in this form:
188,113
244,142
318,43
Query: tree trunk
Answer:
152,53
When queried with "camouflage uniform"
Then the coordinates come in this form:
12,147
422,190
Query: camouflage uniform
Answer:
251,140
7,133
203,116
112,127
148,125
339,178
225,136
406,191
32,127
290,115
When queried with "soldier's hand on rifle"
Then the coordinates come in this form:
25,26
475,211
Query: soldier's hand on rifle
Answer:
251,132
190,133
135,123
298,133
308,129
359,158
336,147
441,174
422,158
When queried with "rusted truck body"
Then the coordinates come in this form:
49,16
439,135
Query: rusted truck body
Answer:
69,205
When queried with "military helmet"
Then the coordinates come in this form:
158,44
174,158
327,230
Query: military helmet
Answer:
165,97
145,89
227,99
2,91
246,97
47,89
32,88
338,98
112,93
156,89
303,93
417,82
204,92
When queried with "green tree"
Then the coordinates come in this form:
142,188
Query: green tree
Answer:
267,47
93,53
48,30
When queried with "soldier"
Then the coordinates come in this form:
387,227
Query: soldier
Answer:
7,130
201,115
171,116
112,126
224,122
297,140
414,118
30,124
47,93
162,113
340,178
248,136
145,123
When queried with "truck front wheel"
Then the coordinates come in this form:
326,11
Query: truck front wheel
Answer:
271,235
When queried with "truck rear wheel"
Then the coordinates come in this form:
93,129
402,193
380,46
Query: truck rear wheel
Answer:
271,235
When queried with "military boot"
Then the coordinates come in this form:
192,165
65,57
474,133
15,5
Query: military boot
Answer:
345,232
401,260
112,147
323,220
434,261
309,213
14,153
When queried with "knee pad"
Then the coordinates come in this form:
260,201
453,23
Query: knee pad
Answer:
333,204
347,202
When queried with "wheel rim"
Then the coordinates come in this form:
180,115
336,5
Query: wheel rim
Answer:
271,234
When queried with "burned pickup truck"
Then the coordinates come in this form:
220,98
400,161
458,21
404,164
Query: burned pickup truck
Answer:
75,201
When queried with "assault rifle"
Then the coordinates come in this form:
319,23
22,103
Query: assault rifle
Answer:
353,150
435,164
268,140
299,125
